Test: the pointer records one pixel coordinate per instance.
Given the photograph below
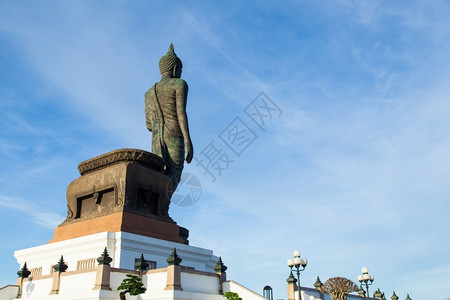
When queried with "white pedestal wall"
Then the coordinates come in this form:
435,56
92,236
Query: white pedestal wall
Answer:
122,247
198,282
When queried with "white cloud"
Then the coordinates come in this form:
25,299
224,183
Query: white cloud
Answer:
39,216
356,166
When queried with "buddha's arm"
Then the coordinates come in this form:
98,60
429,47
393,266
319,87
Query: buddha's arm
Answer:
148,116
181,99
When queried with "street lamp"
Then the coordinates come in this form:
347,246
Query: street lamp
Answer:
300,265
366,278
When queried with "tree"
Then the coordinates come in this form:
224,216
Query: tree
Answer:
339,287
133,285
232,296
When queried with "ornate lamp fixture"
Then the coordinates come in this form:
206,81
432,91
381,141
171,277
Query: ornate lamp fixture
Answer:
365,278
300,265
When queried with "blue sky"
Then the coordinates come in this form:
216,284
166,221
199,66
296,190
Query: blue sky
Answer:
353,170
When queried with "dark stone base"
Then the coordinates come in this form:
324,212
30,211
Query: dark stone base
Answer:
126,181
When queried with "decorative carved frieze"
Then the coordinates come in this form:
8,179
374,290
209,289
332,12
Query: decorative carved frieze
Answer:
36,272
86,264
146,158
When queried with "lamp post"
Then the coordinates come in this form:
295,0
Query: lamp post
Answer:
300,265
366,278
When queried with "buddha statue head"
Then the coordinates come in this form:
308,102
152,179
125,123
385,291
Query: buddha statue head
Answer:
170,63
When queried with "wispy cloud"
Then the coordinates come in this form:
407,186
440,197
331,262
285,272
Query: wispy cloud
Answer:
356,167
38,215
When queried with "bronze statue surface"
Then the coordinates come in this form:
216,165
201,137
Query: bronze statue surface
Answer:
166,118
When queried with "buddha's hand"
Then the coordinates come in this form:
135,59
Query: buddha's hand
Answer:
189,151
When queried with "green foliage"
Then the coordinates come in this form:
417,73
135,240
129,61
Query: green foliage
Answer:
232,296
133,285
